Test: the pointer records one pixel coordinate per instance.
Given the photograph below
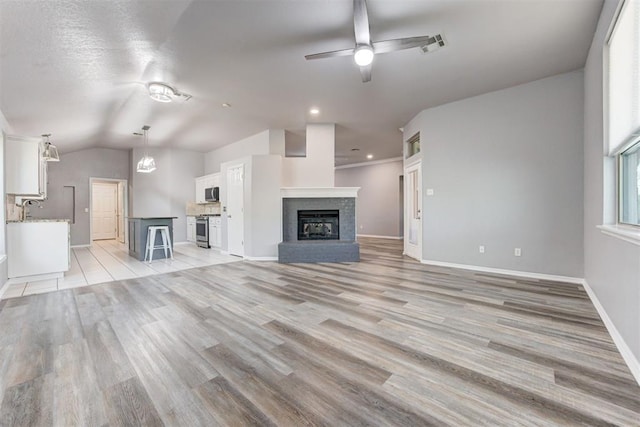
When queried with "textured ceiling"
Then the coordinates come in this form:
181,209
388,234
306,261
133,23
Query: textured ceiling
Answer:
77,69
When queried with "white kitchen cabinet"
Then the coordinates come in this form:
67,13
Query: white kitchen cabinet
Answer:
206,181
37,247
191,229
215,232
25,170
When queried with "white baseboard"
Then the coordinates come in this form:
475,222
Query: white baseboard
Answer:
5,285
184,242
379,237
261,258
80,246
568,279
623,348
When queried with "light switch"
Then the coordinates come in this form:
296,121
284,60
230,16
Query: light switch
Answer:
429,191
86,209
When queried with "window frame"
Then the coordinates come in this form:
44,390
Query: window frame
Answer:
619,184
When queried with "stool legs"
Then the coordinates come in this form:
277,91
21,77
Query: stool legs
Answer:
151,242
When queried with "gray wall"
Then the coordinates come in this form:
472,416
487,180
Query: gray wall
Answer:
506,170
377,205
166,191
612,266
75,169
257,144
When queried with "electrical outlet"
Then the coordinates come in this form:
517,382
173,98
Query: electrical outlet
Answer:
517,252
430,192
481,249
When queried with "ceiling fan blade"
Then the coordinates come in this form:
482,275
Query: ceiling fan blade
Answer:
361,23
344,52
385,46
365,72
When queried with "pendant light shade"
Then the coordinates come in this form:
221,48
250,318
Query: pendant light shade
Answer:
146,163
49,152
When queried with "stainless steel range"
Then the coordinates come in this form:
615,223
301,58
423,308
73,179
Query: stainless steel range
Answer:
202,231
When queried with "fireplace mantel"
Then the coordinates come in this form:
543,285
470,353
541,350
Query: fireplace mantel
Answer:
318,192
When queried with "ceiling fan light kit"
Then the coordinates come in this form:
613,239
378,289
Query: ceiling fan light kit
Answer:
162,92
365,49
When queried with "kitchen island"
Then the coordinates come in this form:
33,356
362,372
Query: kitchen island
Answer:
138,227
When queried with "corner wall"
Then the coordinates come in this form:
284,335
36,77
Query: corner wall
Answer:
612,266
506,170
378,203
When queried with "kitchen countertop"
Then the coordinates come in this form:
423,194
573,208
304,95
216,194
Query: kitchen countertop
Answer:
37,220
152,217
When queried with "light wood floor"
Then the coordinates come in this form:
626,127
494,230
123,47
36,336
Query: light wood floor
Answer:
386,341
108,260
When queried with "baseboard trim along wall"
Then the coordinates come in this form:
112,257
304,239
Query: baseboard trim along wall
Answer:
4,279
379,237
80,246
541,276
623,348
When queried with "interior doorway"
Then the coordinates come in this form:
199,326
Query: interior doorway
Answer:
413,211
108,201
235,210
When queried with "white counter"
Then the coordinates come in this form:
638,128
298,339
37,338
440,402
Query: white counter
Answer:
37,247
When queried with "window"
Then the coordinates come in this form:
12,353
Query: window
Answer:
413,145
623,121
630,185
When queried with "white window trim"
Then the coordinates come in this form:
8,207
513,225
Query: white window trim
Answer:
627,233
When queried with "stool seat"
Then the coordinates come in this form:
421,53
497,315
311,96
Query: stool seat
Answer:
151,241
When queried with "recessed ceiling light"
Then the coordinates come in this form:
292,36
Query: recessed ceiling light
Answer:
314,111
369,156
226,105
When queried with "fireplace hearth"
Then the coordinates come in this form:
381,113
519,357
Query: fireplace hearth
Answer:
318,225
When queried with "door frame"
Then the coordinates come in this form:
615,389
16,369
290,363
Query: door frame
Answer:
125,207
415,252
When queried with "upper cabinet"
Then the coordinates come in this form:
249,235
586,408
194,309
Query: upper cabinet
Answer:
25,169
203,182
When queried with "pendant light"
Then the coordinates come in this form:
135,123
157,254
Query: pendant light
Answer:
49,152
146,163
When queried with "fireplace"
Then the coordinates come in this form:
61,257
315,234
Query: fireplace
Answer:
318,225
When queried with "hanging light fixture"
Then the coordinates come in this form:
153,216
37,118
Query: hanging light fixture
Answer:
161,92
146,163
49,152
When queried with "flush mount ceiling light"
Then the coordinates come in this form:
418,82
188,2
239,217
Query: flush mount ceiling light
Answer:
146,163
162,92
314,111
49,152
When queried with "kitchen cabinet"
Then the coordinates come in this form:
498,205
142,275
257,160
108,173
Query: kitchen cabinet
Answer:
37,247
191,229
25,169
215,232
206,181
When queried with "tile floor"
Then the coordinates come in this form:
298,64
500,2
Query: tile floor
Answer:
108,260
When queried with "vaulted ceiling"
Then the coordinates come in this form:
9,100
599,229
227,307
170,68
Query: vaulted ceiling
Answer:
78,69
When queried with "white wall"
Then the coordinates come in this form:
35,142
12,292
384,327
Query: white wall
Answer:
317,168
166,191
612,266
506,170
378,203
262,205
257,144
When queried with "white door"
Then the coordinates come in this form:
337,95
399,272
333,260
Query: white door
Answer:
235,210
120,211
413,211
103,210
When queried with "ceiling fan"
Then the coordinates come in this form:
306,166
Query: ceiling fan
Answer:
365,49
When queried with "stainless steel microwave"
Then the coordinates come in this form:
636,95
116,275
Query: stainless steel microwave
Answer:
212,194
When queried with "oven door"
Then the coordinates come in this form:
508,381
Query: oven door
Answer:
202,232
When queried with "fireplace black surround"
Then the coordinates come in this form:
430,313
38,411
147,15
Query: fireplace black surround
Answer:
318,225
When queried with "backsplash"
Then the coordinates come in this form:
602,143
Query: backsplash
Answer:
196,209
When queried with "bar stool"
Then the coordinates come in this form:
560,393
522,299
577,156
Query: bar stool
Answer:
151,241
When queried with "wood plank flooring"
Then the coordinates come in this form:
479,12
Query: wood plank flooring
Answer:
384,342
